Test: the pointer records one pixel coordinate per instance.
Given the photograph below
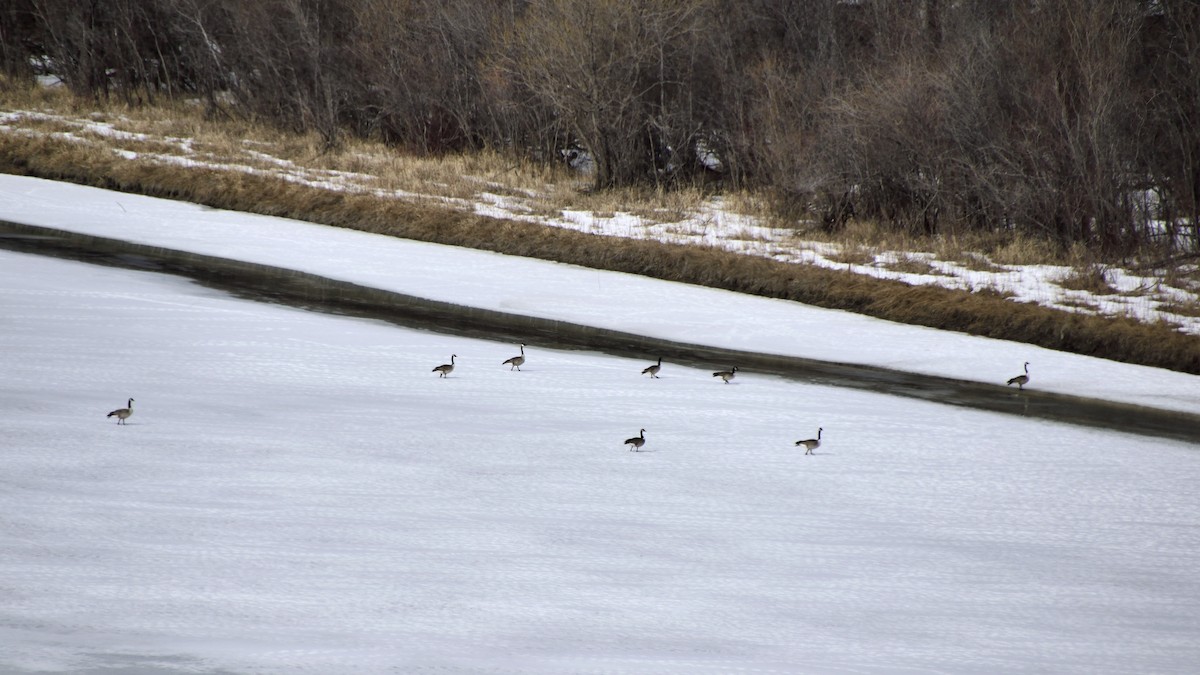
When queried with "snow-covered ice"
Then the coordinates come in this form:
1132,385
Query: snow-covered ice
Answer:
298,492
580,295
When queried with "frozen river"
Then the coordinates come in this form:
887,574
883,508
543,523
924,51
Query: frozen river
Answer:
298,492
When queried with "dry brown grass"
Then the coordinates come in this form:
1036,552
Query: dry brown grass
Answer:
911,264
981,313
1077,303
853,254
1181,308
982,251
1023,250
1091,278
651,205
1185,277
974,261
247,143
869,233
994,292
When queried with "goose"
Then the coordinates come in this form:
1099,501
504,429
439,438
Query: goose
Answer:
726,375
637,442
1021,380
446,368
516,361
811,444
652,371
122,414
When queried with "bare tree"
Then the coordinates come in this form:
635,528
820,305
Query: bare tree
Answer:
419,66
21,39
1048,116
608,70
1170,67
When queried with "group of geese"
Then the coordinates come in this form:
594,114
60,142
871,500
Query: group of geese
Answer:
810,444
637,442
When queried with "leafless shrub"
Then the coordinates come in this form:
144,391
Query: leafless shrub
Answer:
1051,119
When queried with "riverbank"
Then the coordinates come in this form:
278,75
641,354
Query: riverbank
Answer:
153,165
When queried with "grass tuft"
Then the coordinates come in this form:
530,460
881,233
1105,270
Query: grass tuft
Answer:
1091,278
1180,308
908,263
853,254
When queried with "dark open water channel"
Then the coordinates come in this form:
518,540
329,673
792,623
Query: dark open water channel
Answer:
308,291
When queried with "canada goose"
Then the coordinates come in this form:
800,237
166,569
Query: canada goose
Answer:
811,444
516,361
122,414
652,371
446,368
726,375
1021,380
636,442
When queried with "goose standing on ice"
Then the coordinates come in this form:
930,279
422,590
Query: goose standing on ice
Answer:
637,442
1021,380
652,371
811,444
445,369
516,361
726,375
122,414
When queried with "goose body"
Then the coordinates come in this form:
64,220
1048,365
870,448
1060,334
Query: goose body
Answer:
811,444
516,361
1021,380
446,368
652,371
726,375
122,414
637,442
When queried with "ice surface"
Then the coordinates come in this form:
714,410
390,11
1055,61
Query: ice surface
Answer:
569,293
300,493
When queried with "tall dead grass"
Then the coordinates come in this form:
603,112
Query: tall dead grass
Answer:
990,315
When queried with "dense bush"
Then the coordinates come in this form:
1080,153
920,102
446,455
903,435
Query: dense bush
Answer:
1069,119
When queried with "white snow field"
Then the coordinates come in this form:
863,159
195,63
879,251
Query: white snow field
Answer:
298,492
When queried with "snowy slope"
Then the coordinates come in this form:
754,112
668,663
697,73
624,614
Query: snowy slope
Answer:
580,295
300,493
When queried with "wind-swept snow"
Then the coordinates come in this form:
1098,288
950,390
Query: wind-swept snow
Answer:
301,493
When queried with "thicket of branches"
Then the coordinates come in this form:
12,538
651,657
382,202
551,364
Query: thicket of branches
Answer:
1078,120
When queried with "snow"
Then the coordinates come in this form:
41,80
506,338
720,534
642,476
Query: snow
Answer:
580,295
298,492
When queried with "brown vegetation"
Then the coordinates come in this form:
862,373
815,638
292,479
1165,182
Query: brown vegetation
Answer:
1091,278
1053,119
911,264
